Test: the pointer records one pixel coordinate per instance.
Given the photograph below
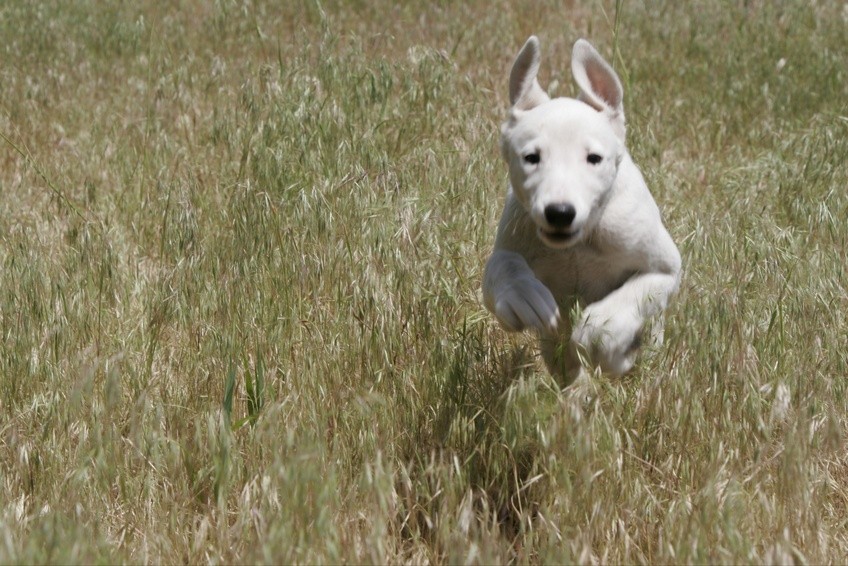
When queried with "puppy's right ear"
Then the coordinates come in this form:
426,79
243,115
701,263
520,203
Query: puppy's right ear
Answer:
524,90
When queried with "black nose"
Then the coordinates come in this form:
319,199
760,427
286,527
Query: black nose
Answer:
560,215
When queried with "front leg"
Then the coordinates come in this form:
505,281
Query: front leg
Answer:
610,330
513,293
561,358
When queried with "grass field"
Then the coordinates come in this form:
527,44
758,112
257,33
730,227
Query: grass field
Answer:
242,246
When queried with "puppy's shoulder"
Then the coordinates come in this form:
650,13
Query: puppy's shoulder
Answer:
631,226
516,231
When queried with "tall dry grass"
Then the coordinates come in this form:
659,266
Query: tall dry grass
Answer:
241,252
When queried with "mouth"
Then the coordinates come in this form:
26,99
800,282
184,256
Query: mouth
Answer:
559,238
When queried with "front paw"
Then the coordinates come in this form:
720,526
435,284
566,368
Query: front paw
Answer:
527,303
611,338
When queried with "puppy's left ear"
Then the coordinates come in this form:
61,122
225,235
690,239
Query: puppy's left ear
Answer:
600,87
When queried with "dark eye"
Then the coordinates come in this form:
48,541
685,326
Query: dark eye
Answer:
594,158
532,158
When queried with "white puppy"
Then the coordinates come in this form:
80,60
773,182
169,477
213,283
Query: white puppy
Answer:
580,227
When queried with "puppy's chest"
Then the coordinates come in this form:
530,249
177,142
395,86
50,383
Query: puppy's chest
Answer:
579,274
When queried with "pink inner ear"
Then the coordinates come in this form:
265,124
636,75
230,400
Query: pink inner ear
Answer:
524,89
603,86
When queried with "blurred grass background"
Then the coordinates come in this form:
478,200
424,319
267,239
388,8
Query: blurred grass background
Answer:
242,245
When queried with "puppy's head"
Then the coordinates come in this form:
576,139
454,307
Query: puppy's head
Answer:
563,154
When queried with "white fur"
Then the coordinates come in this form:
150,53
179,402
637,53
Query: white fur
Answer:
606,251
